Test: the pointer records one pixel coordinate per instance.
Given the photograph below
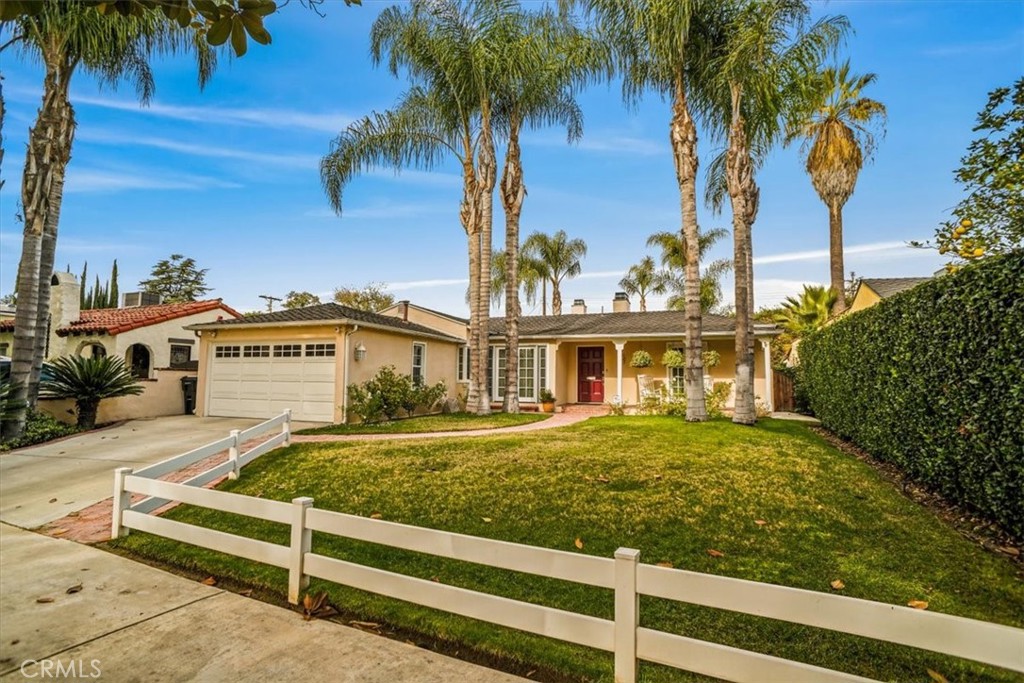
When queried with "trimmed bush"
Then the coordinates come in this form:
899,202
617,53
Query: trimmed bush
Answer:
932,380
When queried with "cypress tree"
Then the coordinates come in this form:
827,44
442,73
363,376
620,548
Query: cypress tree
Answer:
82,299
113,297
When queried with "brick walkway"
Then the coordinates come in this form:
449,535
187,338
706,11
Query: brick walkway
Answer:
557,420
92,524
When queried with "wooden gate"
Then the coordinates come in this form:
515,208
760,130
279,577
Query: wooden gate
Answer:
782,392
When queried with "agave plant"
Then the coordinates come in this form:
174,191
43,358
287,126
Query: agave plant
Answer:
88,381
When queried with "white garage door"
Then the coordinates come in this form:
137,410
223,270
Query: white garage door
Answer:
261,379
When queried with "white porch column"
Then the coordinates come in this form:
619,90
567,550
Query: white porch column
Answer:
766,347
619,345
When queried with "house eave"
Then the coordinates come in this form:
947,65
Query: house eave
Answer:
337,322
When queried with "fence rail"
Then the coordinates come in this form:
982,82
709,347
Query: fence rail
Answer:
993,644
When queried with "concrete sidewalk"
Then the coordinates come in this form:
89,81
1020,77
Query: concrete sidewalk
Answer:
133,622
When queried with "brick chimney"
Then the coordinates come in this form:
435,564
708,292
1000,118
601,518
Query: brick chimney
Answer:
620,304
579,306
403,309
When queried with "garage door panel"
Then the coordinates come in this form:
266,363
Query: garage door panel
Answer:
266,386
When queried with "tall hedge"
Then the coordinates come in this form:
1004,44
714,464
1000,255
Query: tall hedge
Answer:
932,380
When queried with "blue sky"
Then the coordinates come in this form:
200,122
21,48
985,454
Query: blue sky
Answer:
229,175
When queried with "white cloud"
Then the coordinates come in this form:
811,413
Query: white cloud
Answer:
90,180
330,122
307,161
427,284
818,254
603,142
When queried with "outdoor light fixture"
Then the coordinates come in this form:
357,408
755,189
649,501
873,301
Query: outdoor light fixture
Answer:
360,352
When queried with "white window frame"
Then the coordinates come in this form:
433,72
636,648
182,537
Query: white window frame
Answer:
540,378
462,364
423,362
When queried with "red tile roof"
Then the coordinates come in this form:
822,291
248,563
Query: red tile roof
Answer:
118,320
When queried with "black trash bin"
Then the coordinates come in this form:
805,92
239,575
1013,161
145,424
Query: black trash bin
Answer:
188,391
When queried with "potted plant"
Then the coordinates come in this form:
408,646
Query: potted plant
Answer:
673,358
547,401
641,359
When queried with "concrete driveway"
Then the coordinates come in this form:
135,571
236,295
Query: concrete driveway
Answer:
46,482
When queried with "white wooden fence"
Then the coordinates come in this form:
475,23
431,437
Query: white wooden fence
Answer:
979,641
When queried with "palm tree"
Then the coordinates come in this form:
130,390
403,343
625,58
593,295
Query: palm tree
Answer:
643,279
838,134
809,312
67,37
673,257
88,381
561,256
663,46
529,277
766,56
444,47
542,60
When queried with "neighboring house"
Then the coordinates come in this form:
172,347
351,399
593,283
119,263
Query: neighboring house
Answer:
449,324
584,357
872,290
304,359
151,339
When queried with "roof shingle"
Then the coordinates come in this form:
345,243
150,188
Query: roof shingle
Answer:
887,286
119,320
648,323
328,312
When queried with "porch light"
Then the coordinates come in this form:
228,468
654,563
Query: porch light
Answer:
360,352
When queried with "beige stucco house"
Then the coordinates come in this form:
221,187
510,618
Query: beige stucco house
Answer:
151,339
872,290
585,357
303,359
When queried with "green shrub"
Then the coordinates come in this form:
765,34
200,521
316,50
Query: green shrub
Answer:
673,358
715,398
389,393
39,428
641,359
932,380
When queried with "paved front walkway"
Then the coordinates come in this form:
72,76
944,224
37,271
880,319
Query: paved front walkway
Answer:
132,622
553,422
42,483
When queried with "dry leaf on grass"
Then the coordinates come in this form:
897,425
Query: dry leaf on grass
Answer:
936,676
376,515
918,604
365,624
838,585
760,522
579,543
209,581
603,479
1009,551
246,593
74,589
715,553
44,600
317,607
487,519
667,565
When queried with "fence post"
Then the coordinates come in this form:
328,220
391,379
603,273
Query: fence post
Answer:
301,543
627,614
286,428
122,501
233,455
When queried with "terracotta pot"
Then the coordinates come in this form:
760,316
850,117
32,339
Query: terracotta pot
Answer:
547,407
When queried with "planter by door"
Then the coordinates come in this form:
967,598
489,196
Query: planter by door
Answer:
590,374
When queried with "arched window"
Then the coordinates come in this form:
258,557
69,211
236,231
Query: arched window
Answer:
92,350
138,359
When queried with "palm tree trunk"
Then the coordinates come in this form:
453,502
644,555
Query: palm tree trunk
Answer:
683,135
740,179
837,269
47,155
643,303
543,296
87,410
469,215
488,173
556,298
512,194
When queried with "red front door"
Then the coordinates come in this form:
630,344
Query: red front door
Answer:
591,374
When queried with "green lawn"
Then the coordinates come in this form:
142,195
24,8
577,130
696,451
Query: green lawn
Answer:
671,489
455,422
